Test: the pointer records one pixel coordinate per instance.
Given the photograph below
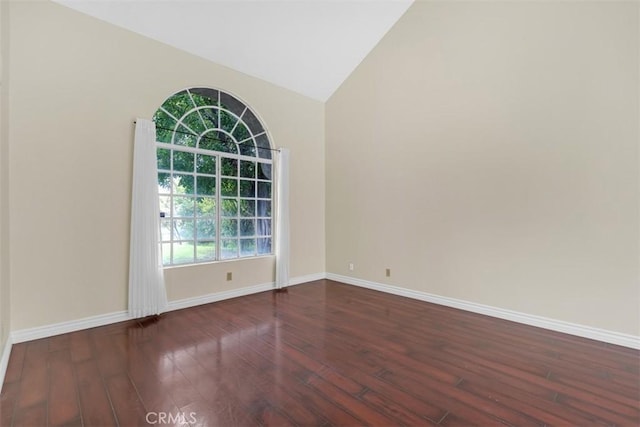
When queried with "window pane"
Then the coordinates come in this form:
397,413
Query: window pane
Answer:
247,169
182,229
229,187
247,147
184,137
228,167
182,161
229,248
206,207
264,246
252,121
241,132
264,171
209,141
194,122
178,104
204,96
182,253
206,251
229,207
247,207
247,247
264,227
165,206
183,206
165,229
210,117
206,164
247,188
206,229
264,190
183,184
264,208
206,185
164,182
164,158
247,227
218,141
264,148
227,120
166,253
231,103
165,125
229,227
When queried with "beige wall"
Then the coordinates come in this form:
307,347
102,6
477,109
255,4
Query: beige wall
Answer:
5,318
488,151
77,85
483,151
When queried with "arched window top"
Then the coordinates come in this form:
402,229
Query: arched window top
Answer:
211,119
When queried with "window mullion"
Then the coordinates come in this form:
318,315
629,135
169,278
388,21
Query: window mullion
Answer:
194,206
218,208
171,209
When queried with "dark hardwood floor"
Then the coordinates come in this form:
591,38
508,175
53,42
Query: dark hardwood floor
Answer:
321,354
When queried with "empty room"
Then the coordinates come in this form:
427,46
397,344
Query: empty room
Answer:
319,213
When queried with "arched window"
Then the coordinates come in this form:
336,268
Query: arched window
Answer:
214,177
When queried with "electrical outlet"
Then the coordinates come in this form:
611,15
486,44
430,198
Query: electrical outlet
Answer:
350,266
388,272
229,276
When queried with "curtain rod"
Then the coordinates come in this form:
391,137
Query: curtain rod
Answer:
208,138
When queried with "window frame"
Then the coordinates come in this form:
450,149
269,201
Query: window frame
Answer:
261,237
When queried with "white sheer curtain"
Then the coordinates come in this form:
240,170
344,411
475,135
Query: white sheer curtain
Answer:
282,218
147,293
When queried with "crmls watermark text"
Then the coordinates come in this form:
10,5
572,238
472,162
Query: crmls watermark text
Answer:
171,418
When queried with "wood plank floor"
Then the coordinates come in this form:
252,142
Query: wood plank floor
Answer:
321,354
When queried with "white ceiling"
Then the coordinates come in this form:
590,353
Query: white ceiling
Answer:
308,46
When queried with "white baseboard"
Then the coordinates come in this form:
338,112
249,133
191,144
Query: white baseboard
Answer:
234,293
218,296
121,316
4,361
308,278
46,331
611,337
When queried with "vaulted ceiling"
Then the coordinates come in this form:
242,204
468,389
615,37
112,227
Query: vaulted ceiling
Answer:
308,46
